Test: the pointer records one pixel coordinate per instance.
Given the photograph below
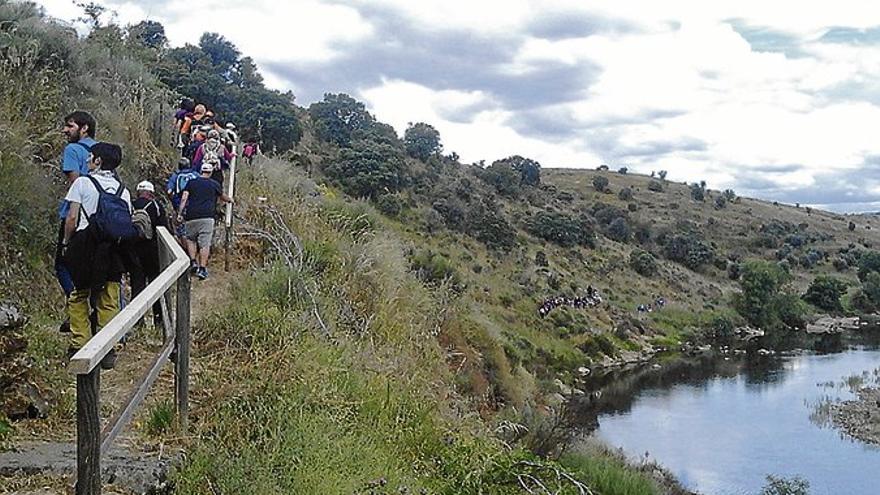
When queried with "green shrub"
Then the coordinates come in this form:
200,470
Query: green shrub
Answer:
825,293
368,168
655,186
643,262
786,486
390,205
561,229
625,194
434,268
619,230
600,183
161,418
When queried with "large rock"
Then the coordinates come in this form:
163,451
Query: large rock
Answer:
829,324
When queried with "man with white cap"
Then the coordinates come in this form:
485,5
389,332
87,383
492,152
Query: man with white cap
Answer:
197,206
146,250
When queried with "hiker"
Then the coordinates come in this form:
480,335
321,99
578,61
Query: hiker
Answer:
184,109
93,259
191,122
250,150
146,250
79,129
214,153
174,187
197,205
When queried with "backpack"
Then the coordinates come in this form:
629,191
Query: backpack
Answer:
181,180
143,222
112,219
211,154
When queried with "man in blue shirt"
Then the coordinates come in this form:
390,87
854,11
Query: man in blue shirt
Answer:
79,129
197,207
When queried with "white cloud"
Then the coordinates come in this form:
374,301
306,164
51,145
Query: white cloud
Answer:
685,75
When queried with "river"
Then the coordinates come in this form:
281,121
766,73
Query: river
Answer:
721,424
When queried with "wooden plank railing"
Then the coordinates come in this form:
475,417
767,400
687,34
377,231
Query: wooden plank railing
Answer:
91,442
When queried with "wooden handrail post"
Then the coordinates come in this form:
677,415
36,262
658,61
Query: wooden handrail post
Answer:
228,243
181,352
88,433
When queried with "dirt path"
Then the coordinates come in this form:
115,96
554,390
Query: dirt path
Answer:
41,456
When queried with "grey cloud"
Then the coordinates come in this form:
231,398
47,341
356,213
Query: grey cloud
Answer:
764,39
841,191
852,36
439,59
563,25
661,148
862,90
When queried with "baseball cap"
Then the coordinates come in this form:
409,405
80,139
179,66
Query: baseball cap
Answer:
207,167
146,186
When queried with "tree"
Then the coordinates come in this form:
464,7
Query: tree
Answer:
337,116
763,302
600,183
867,299
561,229
150,34
223,54
529,170
622,170
662,175
368,169
868,262
421,140
503,177
825,292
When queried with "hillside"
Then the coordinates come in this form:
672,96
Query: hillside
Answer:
401,349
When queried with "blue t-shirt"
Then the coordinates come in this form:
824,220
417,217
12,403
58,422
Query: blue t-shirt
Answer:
75,159
203,194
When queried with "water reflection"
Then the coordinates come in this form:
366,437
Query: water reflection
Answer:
721,424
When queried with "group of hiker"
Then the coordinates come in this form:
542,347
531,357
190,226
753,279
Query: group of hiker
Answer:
105,232
592,298
658,303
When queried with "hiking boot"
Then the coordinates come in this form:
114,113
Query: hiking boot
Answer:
193,267
109,361
64,327
202,273
71,351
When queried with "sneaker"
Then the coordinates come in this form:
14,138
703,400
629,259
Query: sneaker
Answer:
193,267
65,326
202,273
109,361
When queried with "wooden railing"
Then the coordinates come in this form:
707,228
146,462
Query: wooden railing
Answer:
91,442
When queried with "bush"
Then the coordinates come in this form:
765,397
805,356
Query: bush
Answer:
655,186
503,178
698,192
529,170
389,204
625,194
825,292
600,183
643,262
561,229
688,250
869,261
619,230
783,486
720,202
622,170
434,268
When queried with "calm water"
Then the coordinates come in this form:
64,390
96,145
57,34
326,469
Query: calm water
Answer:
722,425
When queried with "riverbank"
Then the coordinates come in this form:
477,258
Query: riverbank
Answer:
859,418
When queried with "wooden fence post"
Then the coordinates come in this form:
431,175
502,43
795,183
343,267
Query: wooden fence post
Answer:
88,433
181,353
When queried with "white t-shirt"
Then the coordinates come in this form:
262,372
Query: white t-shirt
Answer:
82,191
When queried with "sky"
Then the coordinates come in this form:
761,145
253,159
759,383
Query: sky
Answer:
776,100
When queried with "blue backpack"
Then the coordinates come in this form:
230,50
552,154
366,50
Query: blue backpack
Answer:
112,218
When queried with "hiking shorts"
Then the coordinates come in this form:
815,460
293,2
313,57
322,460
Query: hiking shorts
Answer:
200,231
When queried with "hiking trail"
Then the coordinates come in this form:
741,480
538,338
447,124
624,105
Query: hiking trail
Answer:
41,456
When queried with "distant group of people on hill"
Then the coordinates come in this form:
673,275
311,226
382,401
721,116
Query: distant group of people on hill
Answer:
592,298
658,303
105,233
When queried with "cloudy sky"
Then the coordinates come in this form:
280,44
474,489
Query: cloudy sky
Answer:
778,100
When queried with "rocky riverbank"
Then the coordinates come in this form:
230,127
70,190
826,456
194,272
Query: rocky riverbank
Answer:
860,418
